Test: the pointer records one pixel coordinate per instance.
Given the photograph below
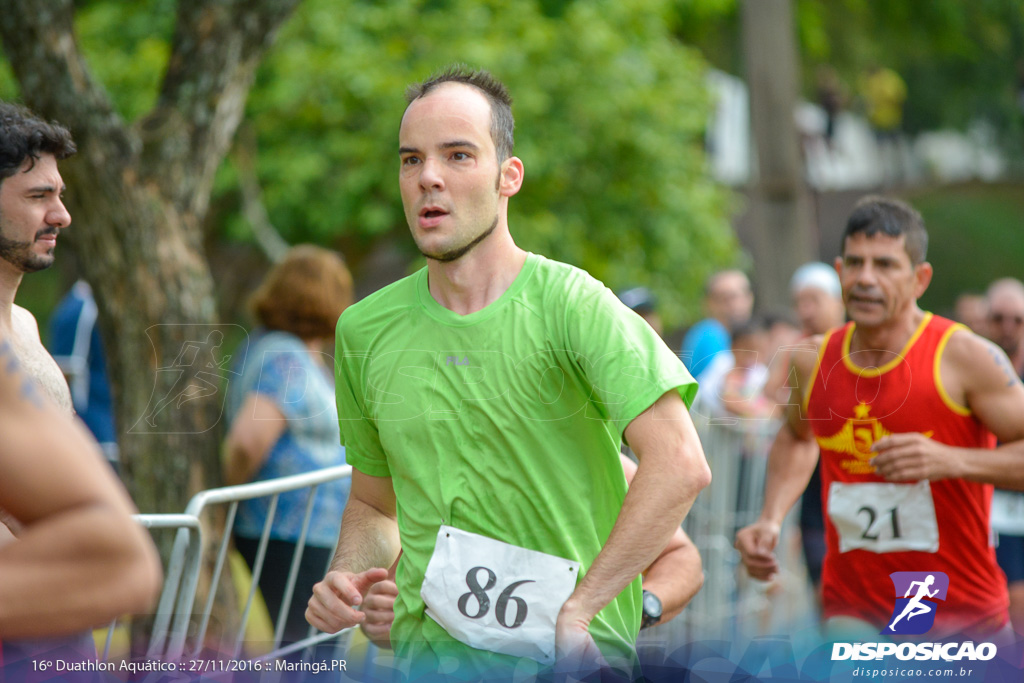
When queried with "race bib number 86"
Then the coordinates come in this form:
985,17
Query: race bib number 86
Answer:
496,596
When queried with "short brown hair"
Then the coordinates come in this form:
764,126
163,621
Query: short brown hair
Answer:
502,123
305,293
876,214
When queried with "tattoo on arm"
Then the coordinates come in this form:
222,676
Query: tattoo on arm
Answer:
28,391
1004,364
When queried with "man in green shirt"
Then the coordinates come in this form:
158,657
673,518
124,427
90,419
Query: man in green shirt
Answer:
482,401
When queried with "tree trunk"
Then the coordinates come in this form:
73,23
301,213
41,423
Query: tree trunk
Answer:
138,196
780,206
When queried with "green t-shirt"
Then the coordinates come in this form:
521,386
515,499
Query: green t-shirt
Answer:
506,423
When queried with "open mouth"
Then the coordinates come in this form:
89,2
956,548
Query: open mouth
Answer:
431,216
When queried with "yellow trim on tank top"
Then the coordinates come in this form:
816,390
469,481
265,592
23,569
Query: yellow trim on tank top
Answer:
814,373
875,372
946,398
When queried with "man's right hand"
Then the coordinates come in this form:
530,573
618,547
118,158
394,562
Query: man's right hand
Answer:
756,544
335,599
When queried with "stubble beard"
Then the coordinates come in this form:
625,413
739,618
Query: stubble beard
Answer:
458,252
19,254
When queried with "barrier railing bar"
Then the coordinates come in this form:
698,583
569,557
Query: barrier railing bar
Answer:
222,554
172,582
186,596
257,571
227,494
293,572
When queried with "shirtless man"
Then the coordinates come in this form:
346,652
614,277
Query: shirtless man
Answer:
906,408
80,560
31,216
56,494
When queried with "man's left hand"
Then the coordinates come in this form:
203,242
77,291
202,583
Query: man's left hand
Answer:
575,649
912,457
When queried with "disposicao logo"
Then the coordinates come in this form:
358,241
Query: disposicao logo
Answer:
916,595
913,614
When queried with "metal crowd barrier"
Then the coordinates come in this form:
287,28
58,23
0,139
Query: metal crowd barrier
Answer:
190,527
725,607
730,605
174,612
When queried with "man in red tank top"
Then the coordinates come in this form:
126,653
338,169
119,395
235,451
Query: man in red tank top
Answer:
905,408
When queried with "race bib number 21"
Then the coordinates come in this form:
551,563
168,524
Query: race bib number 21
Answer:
884,517
496,596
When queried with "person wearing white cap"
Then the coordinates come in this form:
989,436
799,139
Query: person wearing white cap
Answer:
817,297
818,300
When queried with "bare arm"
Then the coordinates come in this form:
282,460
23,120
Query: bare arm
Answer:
791,462
676,576
672,471
367,545
677,573
975,373
258,425
80,560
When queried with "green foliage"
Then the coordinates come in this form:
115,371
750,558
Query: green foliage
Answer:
610,113
959,59
127,44
974,238
9,91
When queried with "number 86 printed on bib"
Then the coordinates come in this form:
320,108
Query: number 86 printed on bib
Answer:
496,596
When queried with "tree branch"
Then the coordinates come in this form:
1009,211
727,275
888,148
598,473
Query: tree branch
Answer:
56,83
267,236
215,51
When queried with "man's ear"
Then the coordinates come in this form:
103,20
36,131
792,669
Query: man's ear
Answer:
511,178
923,275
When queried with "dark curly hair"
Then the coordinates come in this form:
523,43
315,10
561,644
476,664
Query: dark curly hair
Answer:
23,135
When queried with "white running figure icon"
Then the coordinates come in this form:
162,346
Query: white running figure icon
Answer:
915,606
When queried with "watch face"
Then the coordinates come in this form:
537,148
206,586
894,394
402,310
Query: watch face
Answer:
651,605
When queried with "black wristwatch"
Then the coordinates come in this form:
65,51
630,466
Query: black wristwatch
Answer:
651,609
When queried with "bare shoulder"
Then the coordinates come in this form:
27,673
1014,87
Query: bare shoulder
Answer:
25,324
974,363
977,374
16,388
35,360
804,357
804,354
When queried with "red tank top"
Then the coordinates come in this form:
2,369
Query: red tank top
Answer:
874,528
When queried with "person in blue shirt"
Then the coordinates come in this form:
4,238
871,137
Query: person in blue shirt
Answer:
730,302
284,421
76,345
